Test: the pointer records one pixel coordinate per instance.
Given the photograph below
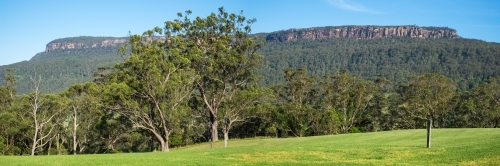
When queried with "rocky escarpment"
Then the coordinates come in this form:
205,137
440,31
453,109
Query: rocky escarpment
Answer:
361,32
84,42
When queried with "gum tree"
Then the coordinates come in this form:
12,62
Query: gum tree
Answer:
158,82
226,56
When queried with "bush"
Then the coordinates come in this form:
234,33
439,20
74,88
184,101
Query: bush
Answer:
354,130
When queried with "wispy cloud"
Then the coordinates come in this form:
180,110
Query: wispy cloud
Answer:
352,7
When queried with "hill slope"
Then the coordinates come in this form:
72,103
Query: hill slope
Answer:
467,62
403,147
66,62
394,52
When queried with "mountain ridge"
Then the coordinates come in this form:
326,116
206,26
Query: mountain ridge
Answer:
67,61
362,32
349,31
84,42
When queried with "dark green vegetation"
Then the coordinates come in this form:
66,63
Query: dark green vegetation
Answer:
201,82
62,68
404,147
467,62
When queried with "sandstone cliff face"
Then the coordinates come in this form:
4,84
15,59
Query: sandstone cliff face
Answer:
95,43
361,32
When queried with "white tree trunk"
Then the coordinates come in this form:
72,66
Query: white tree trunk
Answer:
35,106
165,148
33,147
226,137
75,125
215,133
164,145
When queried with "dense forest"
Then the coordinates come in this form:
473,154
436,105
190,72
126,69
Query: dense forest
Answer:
62,68
211,79
467,62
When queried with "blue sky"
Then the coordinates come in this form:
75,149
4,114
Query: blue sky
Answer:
26,26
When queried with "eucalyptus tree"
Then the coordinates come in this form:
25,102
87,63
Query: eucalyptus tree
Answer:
8,93
10,81
114,125
484,104
12,122
85,111
349,96
378,115
427,97
295,101
44,115
159,83
240,106
226,56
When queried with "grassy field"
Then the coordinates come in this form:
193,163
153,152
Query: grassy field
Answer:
404,147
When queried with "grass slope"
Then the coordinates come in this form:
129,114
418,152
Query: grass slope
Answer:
404,147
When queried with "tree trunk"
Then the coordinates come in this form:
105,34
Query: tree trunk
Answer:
164,145
33,147
215,134
50,146
152,144
226,137
57,144
166,148
152,140
74,131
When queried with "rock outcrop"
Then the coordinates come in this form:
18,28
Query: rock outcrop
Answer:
84,42
362,32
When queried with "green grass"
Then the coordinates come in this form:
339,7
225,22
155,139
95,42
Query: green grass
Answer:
404,147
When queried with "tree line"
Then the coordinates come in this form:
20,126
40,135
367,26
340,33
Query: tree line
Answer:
199,84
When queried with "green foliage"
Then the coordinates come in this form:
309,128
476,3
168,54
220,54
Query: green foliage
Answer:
294,99
465,61
479,107
221,53
427,96
349,95
353,130
62,68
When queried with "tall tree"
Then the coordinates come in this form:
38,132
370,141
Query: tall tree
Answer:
427,96
10,81
8,93
84,106
161,81
44,112
485,101
350,96
378,113
295,100
226,55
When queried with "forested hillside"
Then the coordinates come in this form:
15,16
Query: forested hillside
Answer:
61,67
467,62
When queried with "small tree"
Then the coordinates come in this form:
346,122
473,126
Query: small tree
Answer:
427,96
240,106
